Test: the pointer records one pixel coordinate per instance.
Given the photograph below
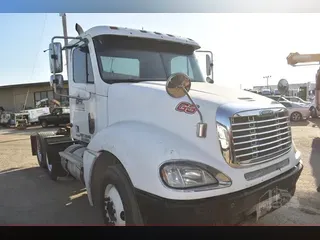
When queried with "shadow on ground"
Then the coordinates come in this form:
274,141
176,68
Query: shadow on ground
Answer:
300,123
312,122
28,196
315,122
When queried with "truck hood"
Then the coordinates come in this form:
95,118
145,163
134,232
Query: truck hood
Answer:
148,101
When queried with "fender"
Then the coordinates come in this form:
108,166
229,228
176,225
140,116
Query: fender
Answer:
142,148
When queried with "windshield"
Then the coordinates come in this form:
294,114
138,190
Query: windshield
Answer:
122,58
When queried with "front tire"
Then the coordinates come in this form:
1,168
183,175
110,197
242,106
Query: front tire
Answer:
118,203
296,117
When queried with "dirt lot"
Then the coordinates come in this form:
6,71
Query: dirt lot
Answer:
28,196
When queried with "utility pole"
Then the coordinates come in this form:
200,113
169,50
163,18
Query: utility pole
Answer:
267,77
65,34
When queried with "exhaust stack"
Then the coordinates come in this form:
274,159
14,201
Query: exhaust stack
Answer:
79,29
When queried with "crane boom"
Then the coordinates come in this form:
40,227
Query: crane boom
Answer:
295,58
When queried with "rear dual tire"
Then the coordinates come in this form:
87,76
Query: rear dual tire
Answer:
42,155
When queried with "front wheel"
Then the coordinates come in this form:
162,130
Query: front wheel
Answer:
118,203
296,116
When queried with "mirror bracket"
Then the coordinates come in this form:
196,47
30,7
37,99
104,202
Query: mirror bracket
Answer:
180,81
201,126
56,82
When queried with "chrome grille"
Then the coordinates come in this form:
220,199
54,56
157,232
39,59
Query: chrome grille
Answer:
260,137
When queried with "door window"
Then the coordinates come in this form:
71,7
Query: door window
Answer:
82,67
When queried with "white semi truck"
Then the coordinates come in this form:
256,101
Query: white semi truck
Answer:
154,142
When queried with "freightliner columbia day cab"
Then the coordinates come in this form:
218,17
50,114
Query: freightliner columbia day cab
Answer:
155,142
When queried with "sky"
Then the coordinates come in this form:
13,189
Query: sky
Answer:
246,47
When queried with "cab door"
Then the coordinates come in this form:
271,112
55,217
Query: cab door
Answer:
82,85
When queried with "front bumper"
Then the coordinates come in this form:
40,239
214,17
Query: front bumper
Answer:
226,209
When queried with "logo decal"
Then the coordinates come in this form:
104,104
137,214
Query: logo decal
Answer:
186,108
266,112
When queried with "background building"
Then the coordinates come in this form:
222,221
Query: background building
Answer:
13,97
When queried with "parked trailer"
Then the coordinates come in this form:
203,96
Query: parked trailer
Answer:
155,143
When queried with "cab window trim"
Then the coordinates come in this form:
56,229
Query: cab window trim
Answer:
86,63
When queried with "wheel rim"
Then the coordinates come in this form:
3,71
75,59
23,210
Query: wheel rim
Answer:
113,206
39,154
296,116
48,164
44,124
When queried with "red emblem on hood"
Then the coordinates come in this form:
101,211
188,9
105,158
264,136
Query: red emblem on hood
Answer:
186,107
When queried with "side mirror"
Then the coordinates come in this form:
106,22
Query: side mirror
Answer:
283,86
209,65
209,80
178,85
55,57
56,81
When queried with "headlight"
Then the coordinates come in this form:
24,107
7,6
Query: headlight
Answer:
187,174
223,136
224,140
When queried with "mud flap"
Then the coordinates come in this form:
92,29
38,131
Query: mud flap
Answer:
33,141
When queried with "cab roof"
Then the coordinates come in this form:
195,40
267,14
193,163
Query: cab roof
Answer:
120,31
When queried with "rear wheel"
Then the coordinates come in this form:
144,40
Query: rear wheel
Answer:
51,169
118,204
296,116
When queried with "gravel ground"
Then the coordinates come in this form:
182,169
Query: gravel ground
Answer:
28,196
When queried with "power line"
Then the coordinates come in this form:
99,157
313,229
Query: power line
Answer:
41,38
36,59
